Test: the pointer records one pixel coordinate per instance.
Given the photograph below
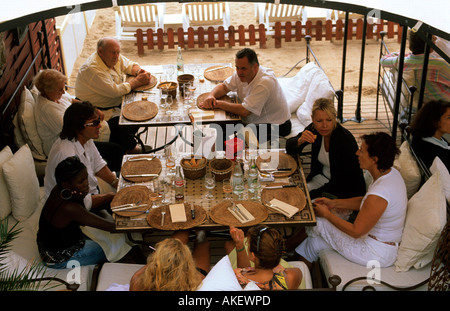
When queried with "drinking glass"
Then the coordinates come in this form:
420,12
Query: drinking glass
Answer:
164,189
227,188
170,161
163,101
169,102
210,183
187,96
154,196
170,72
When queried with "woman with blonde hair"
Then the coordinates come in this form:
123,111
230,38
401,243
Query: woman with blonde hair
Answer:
172,266
334,164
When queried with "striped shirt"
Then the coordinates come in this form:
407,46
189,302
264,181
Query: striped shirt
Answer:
437,86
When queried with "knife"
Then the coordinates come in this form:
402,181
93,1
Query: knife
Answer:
192,211
218,68
282,169
239,211
148,92
117,209
280,187
141,175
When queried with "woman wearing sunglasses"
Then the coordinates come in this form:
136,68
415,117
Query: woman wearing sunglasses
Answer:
263,247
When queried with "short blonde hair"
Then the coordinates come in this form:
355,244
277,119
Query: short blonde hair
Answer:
170,268
326,105
47,79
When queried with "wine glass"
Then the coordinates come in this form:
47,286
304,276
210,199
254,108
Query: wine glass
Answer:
154,196
187,95
170,161
227,188
170,72
210,183
164,189
169,102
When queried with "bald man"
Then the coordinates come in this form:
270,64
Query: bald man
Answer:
100,81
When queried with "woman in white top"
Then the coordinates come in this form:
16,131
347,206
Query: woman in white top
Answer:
377,230
50,105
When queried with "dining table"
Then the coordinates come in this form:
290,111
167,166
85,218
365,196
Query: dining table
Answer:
211,212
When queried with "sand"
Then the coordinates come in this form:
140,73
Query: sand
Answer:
330,54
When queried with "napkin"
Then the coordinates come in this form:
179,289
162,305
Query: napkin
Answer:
239,216
284,208
202,114
177,213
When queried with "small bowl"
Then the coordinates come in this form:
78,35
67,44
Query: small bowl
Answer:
169,88
221,168
183,79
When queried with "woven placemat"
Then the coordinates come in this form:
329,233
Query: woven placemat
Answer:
141,167
219,74
154,218
203,96
150,85
284,161
133,194
221,215
293,196
141,110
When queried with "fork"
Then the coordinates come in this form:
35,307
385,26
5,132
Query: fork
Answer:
163,213
140,159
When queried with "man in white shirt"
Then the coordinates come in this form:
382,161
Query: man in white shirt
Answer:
100,81
262,101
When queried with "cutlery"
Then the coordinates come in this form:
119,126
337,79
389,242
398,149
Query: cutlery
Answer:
192,211
141,175
280,187
236,208
124,208
283,169
148,92
140,159
218,68
162,218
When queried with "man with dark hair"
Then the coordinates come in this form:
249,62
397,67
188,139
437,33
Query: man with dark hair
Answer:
261,99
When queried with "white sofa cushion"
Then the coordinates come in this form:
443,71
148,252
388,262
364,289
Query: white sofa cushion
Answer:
444,174
5,203
221,278
27,124
425,219
408,168
116,276
333,263
22,183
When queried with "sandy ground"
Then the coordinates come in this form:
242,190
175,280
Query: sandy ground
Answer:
330,54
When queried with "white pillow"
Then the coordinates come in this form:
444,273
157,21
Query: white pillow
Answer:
320,87
425,219
27,125
408,168
296,88
438,165
5,203
221,278
22,183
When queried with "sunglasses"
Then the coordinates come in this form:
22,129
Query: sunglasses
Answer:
259,238
93,123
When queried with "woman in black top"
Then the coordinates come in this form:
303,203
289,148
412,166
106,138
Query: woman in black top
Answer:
59,238
335,169
430,124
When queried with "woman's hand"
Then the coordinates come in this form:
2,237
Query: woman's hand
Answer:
307,137
321,210
238,237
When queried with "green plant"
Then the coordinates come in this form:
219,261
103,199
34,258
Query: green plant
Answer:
27,278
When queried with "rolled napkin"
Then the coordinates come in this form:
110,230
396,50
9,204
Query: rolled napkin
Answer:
248,217
177,213
284,208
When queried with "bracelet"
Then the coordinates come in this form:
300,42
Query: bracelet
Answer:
115,182
241,249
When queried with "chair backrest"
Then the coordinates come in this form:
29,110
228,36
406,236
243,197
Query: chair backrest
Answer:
283,12
207,13
140,15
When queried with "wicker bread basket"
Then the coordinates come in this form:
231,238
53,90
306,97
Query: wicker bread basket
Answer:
221,168
193,168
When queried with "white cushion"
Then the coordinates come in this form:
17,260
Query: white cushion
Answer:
296,88
408,168
320,87
438,165
425,219
333,263
305,272
22,183
113,276
5,203
27,124
221,278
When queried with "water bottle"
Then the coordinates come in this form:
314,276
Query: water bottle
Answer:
180,62
253,180
179,185
238,180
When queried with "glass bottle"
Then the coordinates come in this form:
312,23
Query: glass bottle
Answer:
238,180
180,62
179,185
253,180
